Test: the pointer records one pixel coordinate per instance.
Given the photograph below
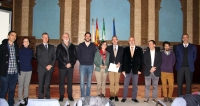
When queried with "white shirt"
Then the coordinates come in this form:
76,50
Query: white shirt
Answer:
185,45
152,52
133,48
115,46
45,44
87,43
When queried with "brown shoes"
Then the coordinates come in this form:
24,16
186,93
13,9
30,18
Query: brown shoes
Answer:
155,100
165,99
170,100
146,100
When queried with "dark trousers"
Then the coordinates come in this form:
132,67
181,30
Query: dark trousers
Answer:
44,78
184,71
8,84
134,85
62,74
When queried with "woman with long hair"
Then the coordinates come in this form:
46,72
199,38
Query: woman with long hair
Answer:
25,57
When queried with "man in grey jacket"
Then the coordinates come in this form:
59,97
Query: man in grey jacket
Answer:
46,56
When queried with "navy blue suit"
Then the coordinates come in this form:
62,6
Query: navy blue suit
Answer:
185,58
192,51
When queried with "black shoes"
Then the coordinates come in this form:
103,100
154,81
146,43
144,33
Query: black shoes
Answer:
23,102
101,95
111,98
26,100
70,98
123,100
116,98
61,98
135,100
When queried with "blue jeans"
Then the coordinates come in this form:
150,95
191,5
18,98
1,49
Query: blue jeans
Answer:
85,72
8,83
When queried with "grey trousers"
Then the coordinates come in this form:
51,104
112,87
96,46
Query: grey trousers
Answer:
134,85
24,81
154,84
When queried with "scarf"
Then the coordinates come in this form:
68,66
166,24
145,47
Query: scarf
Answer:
103,55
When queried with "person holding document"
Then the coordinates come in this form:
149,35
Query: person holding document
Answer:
101,61
116,53
132,66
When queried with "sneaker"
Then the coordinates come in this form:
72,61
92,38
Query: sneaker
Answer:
170,100
22,103
155,100
146,100
165,99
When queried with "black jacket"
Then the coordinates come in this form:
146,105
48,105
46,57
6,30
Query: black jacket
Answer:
4,57
157,63
62,56
116,59
134,63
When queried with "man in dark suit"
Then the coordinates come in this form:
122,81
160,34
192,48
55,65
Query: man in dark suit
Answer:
46,56
132,66
116,53
185,58
152,71
66,55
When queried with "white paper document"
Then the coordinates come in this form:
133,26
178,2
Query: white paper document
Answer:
112,68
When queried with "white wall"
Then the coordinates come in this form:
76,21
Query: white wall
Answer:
5,23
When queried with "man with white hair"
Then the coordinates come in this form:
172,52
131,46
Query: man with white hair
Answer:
66,56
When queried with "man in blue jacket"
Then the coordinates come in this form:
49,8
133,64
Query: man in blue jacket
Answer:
185,57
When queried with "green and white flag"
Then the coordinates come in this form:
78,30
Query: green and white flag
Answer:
103,31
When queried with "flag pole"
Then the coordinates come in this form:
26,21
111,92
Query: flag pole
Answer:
93,36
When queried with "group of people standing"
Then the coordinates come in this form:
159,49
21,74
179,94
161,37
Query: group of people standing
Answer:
15,65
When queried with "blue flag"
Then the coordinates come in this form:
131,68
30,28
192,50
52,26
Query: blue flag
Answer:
114,32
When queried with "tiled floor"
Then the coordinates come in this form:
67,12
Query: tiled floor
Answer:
129,102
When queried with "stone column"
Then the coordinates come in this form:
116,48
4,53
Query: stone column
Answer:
137,22
25,18
151,20
82,20
67,16
190,19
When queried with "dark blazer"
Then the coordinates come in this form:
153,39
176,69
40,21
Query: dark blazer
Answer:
192,55
62,56
45,57
134,63
116,59
4,57
157,63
